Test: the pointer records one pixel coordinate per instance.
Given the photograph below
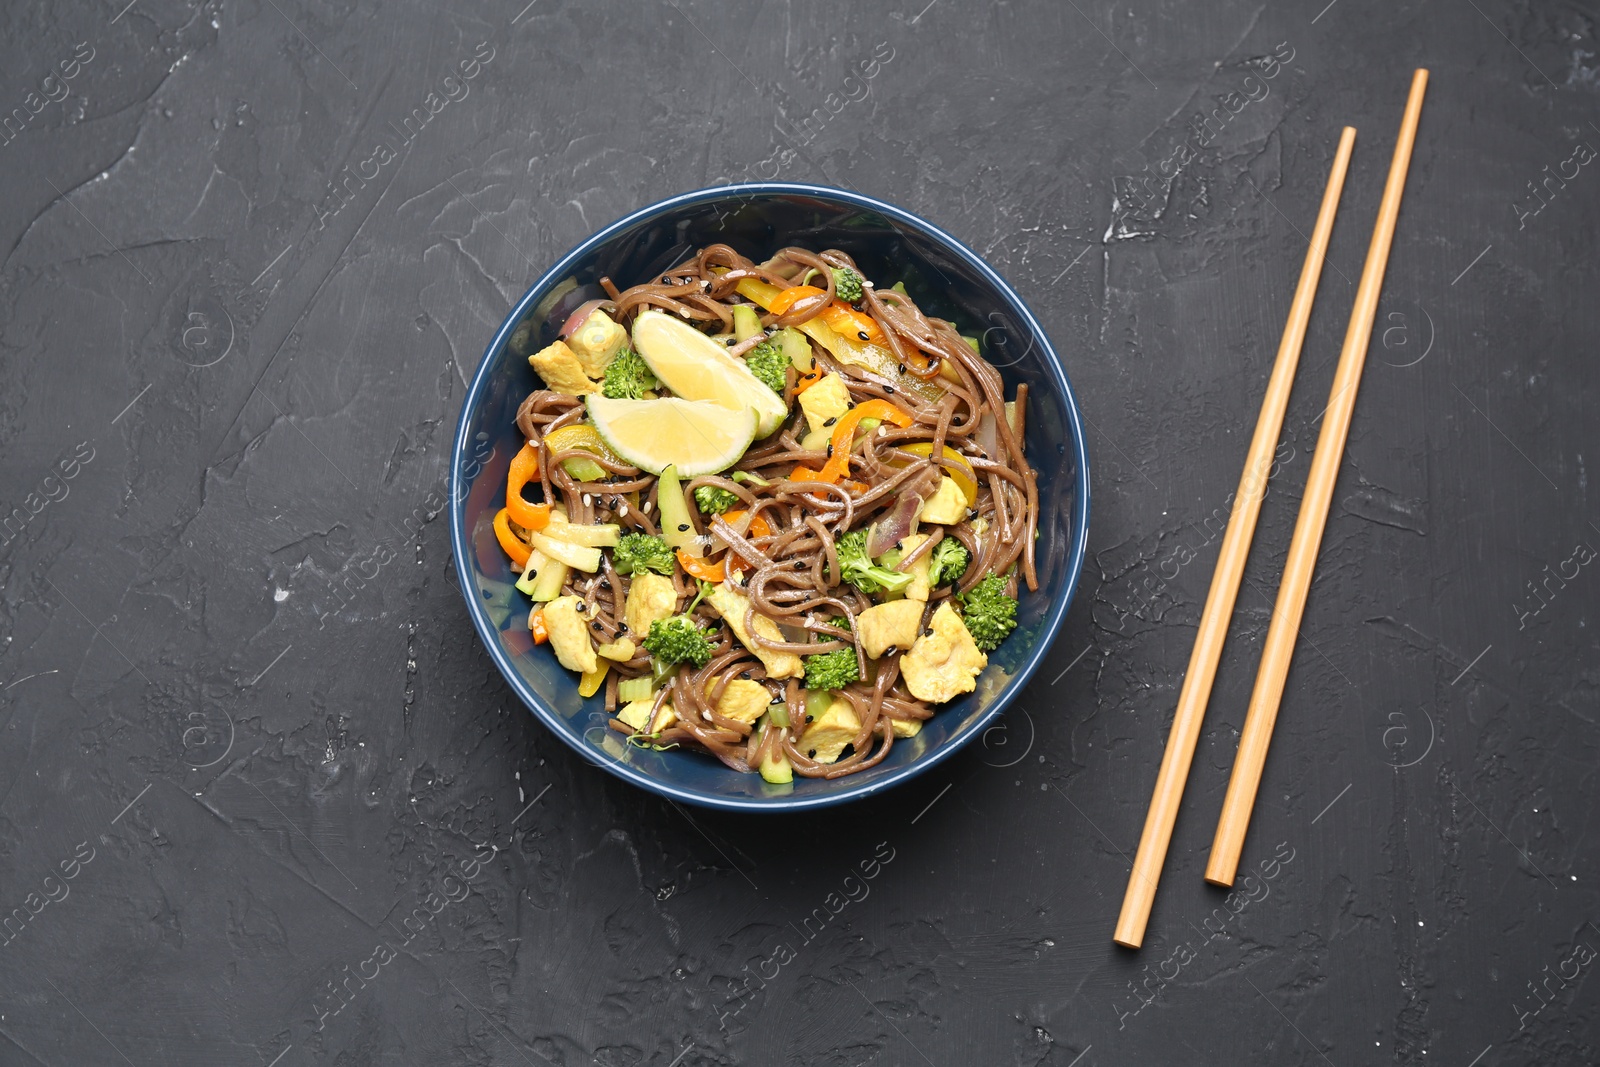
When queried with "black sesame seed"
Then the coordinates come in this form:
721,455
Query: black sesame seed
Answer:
889,389
666,280
889,651
972,513
830,449
831,421
605,583
598,625
682,526
857,304
928,632
730,342
861,334
799,565
744,674
622,627
902,368
581,606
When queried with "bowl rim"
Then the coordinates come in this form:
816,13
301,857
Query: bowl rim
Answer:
489,634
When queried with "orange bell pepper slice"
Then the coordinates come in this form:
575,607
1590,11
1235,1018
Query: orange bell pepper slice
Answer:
699,568
525,468
759,527
718,571
806,381
844,430
509,542
536,624
840,317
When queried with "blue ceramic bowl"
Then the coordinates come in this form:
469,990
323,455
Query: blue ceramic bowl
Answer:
947,279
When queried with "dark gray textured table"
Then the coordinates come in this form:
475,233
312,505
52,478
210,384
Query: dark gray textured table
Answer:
263,800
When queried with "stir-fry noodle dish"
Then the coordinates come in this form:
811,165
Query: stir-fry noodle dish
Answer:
775,513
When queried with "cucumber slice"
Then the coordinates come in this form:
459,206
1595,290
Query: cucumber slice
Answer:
547,586
537,562
676,529
746,321
797,348
583,469
775,768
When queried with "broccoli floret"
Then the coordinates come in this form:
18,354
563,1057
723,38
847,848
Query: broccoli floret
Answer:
832,670
712,500
678,640
705,590
949,561
768,363
628,377
847,284
637,552
989,614
859,570
838,621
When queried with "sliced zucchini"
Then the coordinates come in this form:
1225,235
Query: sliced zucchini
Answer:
579,557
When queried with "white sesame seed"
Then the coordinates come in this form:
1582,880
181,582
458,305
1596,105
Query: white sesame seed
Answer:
646,507
623,512
587,500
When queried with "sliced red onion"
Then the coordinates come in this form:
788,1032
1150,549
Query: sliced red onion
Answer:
989,435
741,526
577,318
899,522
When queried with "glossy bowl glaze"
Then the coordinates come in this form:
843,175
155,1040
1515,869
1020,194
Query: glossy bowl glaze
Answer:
946,279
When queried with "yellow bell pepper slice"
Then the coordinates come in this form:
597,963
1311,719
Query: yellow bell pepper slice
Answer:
963,474
591,681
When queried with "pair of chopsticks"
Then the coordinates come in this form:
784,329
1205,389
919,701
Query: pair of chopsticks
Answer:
1301,562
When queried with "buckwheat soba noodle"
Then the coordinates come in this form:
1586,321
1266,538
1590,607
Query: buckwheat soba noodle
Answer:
777,514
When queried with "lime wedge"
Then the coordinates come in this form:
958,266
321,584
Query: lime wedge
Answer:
696,436
695,367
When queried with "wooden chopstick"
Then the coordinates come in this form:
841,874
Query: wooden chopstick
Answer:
1302,560
1213,631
